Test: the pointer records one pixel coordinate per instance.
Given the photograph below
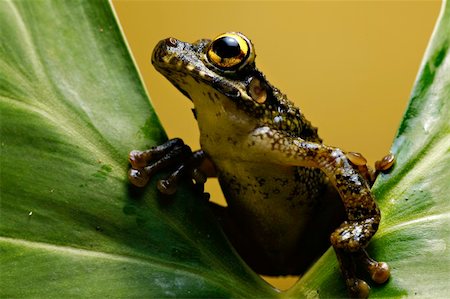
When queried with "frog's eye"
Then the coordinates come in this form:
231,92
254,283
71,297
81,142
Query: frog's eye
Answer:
230,51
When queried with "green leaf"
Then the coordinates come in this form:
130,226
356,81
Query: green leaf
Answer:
73,106
414,236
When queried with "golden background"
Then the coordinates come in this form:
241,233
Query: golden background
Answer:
349,65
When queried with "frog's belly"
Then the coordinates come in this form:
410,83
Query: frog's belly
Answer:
273,207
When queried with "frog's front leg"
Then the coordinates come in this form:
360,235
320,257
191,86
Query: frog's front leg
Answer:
363,215
172,155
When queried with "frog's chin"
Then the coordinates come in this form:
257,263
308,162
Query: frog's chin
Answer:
184,92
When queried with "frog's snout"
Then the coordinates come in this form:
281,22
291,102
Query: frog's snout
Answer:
172,42
168,42
163,48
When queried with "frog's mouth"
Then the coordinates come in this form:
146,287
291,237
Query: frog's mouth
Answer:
177,60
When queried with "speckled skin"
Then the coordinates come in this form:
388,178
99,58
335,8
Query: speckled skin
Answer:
278,178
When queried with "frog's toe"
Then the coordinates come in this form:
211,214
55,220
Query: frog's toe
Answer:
169,185
378,271
138,177
138,159
357,288
166,187
198,176
385,163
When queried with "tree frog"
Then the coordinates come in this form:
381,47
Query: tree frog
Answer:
288,194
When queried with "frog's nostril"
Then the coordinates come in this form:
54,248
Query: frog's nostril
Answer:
171,42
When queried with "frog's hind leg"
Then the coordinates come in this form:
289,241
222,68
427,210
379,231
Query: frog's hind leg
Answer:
173,155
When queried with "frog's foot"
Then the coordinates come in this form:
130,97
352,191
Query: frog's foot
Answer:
378,271
370,174
358,288
350,258
173,155
384,164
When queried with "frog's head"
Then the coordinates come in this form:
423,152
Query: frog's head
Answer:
220,76
224,63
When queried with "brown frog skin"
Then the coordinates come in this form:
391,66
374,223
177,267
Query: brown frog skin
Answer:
286,191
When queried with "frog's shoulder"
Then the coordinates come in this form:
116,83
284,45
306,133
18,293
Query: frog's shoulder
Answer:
287,117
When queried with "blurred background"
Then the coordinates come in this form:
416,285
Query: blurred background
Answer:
349,65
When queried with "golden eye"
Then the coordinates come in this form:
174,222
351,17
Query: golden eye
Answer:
230,51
